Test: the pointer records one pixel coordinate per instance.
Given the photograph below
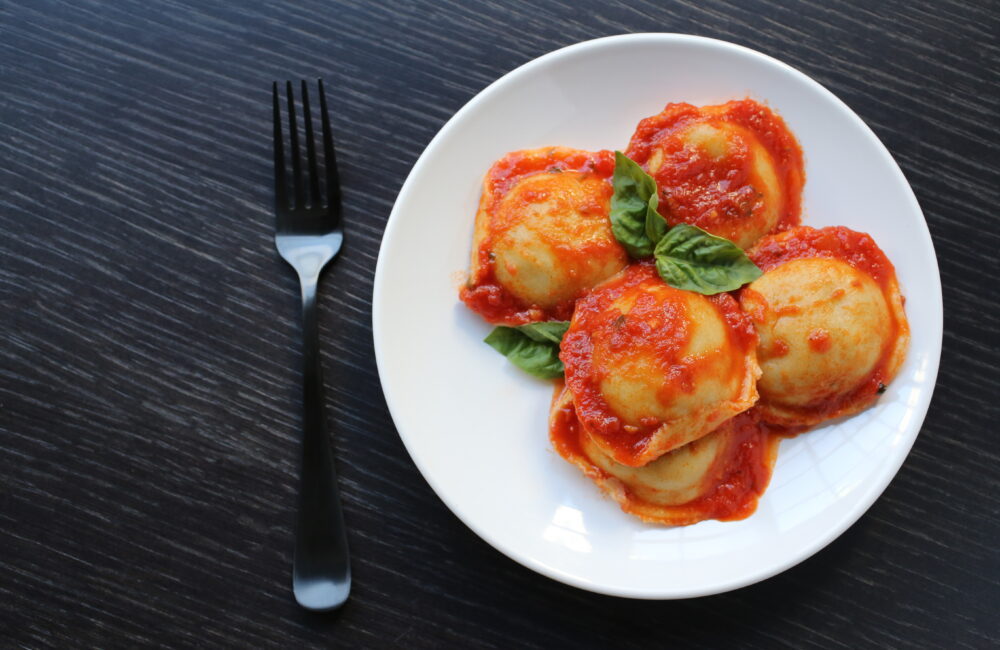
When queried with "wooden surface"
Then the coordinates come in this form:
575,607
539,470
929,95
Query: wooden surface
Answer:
148,333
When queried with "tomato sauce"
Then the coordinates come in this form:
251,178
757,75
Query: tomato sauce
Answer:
730,491
857,249
717,193
779,348
745,475
819,340
484,294
517,165
498,306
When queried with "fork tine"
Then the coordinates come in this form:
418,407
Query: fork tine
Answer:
314,198
330,159
296,162
280,192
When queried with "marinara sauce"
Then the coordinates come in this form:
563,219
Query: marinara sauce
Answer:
721,193
730,490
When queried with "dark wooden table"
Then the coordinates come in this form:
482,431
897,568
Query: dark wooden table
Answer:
149,341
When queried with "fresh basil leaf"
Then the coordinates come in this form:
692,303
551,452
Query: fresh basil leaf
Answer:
552,331
533,348
690,258
656,225
634,220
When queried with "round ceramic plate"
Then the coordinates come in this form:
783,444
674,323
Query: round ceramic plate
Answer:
476,426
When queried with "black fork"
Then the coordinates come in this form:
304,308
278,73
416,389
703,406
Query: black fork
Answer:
308,236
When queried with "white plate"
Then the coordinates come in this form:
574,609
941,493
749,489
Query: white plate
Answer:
476,426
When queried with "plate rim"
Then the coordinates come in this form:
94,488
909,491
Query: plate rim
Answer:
866,499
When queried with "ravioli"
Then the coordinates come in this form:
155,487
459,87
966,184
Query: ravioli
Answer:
733,169
652,367
830,320
542,235
673,402
718,476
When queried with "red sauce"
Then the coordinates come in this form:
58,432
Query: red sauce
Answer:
860,251
655,325
857,249
778,430
819,340
565,429
718,194
513,167
778,349
484,294
498,306
730,492
745,475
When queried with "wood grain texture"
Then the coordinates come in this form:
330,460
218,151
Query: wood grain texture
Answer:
148,341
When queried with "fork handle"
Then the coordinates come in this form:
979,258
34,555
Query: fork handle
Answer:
321,561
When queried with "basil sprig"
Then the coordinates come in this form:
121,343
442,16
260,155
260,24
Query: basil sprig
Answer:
686,256
533,348
634,220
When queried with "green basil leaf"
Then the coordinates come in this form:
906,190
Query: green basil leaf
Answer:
533,348
551,331
690,258
634,220
656,225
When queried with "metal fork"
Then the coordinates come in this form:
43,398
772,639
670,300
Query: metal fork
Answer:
308,236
